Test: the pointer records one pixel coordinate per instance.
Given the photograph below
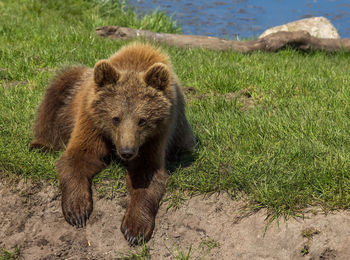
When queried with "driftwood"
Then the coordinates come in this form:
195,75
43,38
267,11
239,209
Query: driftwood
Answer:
273,42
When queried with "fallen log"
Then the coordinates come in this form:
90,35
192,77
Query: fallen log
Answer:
271,43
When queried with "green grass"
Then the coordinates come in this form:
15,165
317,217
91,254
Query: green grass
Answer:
177,252
141,252
287,152
9,255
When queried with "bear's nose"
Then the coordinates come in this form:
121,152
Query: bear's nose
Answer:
127,153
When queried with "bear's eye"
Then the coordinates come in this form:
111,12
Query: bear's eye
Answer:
142,122
116,120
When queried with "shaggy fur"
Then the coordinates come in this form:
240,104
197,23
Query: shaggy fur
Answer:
131,103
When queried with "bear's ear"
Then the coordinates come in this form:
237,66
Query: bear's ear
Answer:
157,76
105,73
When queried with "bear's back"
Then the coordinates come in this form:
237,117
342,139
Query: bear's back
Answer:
138,57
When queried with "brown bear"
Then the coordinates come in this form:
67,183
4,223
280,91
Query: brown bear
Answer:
131,103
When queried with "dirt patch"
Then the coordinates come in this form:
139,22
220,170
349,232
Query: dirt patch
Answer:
243,96
13,83
204,227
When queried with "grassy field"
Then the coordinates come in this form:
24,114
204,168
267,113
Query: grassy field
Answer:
287,150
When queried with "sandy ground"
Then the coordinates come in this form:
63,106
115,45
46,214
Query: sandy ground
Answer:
213,227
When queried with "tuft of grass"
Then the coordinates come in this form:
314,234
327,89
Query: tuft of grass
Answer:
175,199
9,255
209,244
181,255
305,250
141,252
178,253
310,232
285,151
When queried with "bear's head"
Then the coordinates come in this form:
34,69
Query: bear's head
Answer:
132,108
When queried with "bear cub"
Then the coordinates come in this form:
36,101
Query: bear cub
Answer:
131,104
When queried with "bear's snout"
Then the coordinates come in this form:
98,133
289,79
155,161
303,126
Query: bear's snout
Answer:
127,153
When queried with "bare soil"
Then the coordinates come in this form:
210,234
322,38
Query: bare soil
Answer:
211,227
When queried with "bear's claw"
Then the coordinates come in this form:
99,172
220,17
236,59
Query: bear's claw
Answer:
136,230
77,220
76,204
77,217
132,240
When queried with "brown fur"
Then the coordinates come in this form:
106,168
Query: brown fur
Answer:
132,103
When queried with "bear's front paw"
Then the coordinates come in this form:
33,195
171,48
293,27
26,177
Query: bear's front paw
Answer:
137,225
76,203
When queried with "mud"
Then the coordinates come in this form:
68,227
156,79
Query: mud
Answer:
243,96
204,227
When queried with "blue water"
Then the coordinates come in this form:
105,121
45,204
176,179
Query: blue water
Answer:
246,18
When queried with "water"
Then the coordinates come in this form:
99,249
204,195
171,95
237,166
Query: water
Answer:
246,18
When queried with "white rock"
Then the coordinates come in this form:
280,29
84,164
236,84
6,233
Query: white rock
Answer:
319,27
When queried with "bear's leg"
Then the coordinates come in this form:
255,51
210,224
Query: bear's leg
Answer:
146,180
79,163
